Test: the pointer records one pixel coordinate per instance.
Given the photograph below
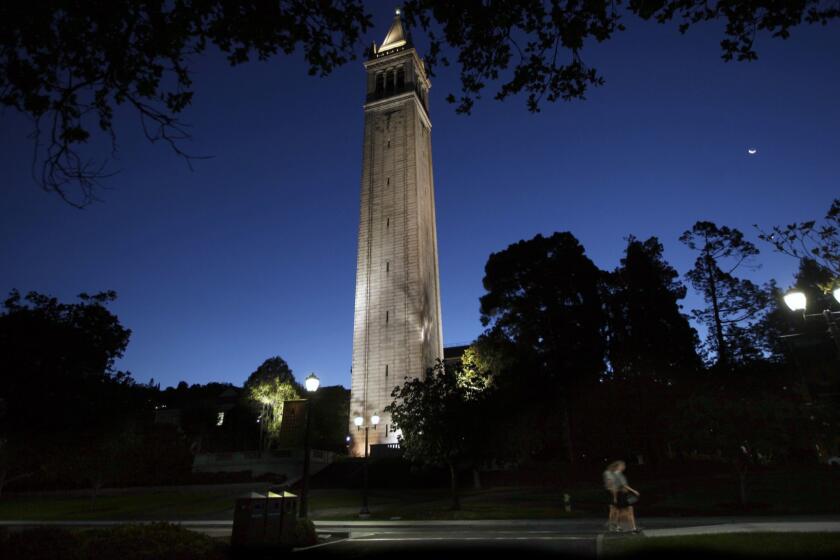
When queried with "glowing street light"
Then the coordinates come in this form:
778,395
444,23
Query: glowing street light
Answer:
796,301
311,383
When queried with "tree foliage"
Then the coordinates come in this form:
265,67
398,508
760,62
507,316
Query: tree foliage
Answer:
807,241
536,47
543,296
53,353
268,388
733,304
58,385
651,350
70,65
438,421
648,335
543,303
744,431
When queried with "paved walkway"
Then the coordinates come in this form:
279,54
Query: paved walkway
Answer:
820,522
653,526
510,528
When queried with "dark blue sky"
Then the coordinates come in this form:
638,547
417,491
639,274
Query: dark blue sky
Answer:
252,254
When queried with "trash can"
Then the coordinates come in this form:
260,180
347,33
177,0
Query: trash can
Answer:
265,520
281,517
249,520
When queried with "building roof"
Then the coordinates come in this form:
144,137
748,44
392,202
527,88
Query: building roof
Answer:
396,36
454,352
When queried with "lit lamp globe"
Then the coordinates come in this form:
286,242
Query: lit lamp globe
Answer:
795,300
358,420
312,383
374,419
837,294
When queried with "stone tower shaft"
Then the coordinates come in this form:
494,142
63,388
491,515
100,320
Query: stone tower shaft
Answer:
397,320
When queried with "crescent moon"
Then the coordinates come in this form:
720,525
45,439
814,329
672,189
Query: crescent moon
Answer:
752,151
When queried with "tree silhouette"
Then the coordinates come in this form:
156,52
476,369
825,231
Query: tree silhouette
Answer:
69,65
807,241
746,431
732,302
58,386
541,44
543,297
651,347
649,336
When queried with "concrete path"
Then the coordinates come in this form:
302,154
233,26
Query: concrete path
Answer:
653,526
541,531
536,537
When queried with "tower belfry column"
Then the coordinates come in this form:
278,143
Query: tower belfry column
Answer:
397,320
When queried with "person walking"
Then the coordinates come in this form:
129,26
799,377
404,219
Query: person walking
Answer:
612,492
624,500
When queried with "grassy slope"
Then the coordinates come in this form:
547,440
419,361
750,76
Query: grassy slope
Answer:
816,491
157,505
743,544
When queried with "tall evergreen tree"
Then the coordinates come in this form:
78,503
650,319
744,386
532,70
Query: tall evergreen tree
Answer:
543,296
650,347
733,304
649,336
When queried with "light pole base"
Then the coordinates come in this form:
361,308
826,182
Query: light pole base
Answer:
364,514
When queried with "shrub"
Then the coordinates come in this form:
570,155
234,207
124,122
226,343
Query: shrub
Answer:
155,541
305,533
42,543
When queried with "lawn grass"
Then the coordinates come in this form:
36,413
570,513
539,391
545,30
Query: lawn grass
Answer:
771,493
171,505
793,491
787,545
493,503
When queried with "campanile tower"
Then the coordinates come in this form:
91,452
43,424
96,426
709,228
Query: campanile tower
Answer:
397,321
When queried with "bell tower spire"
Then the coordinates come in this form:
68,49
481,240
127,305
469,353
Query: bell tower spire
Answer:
396,36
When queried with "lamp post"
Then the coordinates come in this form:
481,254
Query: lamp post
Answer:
311,383
359,421
797,301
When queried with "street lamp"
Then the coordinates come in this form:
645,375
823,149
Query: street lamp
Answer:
358,421
311,383
797,301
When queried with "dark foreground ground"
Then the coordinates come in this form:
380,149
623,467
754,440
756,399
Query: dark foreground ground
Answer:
813,536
